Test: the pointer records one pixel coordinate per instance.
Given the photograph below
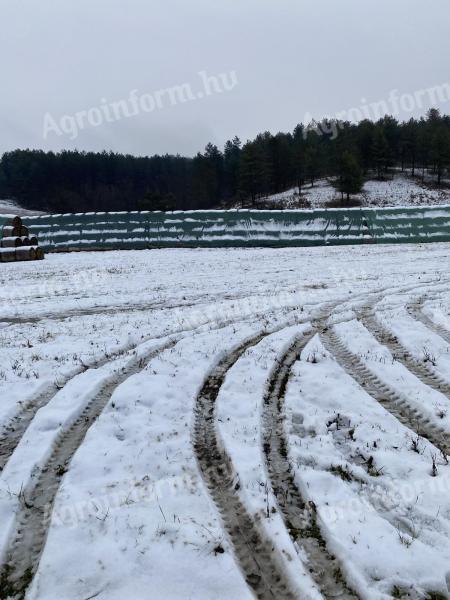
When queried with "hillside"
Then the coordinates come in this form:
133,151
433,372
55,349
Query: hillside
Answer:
8,207
394,190
239,175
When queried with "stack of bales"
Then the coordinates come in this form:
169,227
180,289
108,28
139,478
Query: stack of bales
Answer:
15,242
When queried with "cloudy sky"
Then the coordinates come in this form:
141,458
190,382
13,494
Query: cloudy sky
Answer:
64,62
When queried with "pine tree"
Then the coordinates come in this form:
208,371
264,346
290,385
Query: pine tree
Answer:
380,151
440,151
232,157
299,156
249,171
410,141
364,140
350,180
213,172
312,158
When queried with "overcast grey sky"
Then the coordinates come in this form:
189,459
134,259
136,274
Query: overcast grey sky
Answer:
291,58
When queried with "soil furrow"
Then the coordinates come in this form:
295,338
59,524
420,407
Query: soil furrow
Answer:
255,553
299,516
37,500
393,402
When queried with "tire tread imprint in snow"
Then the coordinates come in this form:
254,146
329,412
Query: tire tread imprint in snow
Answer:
15,429
13,432
33,519
299,516
416,312
400,353
392,401
255,553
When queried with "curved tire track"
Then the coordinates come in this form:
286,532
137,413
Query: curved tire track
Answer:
393,402
27,545
416,312
299,516
254,552
400,353
12,432
32,520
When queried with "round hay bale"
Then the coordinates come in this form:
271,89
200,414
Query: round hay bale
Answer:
24,253
33,240
7,254
39,254
14,222
24,231
33,254
10,231
11,242
25,241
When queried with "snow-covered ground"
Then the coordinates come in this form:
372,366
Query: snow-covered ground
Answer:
397,190
8,207
226,423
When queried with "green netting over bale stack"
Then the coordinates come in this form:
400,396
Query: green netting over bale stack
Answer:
400,225
239,228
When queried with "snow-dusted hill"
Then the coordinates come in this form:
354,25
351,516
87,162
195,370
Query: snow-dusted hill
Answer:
397,190
9,207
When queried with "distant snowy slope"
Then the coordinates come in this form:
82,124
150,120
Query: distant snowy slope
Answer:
9,207
399,190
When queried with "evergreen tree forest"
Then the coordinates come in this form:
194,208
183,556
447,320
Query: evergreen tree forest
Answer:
240,174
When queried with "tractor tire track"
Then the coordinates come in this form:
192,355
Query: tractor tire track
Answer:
199,302
299,516
25,550
420,369
254,552
13,432
393,402
416,312
92,312
32,521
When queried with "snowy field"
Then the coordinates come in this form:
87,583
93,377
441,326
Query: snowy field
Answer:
226,424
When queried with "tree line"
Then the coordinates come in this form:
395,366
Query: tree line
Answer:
240,174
